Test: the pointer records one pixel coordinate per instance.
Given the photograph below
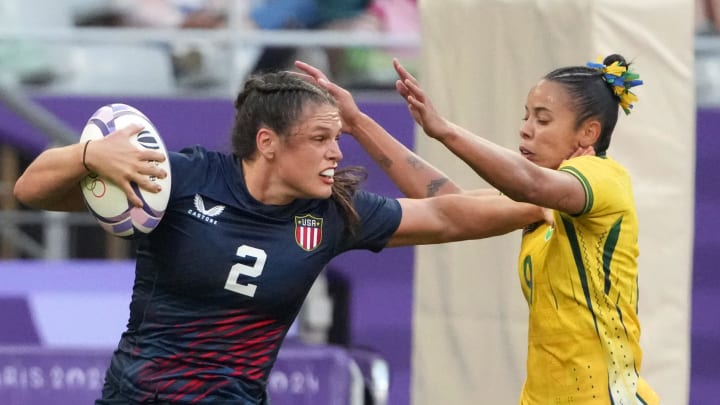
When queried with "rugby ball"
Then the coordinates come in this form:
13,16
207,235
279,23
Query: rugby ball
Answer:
105,200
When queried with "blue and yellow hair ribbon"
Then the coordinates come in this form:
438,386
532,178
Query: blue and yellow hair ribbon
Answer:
621,79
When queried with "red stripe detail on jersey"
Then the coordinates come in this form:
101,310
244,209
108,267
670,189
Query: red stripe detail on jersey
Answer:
249,357
184,390
256,325
231,334
260,361
208,391
161,387
216,330
247,345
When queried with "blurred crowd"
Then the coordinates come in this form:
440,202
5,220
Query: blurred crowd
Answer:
707,17
193,64
199,64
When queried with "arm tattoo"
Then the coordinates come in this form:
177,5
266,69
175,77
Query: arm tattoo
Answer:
415,163
384,161
435,185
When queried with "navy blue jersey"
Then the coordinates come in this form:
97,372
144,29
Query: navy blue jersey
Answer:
221,279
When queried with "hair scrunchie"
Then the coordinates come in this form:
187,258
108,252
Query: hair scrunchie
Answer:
621,80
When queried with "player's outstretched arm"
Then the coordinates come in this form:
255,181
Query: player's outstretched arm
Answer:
457,217
415,177
503,168
51,181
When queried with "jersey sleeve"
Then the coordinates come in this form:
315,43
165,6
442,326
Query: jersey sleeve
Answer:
379,219
189,168
606,187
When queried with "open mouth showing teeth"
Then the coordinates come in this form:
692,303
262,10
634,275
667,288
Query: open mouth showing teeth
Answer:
328,173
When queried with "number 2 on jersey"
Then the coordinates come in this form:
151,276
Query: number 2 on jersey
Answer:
239,269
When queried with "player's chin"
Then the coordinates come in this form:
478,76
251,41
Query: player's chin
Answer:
322,192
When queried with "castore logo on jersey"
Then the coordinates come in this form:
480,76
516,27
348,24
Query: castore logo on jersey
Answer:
308,231
207,215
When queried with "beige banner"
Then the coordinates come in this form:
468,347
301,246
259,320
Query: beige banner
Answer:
479,59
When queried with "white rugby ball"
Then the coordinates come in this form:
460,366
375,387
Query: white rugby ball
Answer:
108,202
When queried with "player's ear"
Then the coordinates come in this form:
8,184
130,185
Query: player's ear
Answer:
267,141
590,133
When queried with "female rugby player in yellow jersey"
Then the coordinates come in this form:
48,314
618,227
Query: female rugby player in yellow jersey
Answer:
583,340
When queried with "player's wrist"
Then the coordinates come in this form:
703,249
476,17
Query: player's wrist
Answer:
84,156
444,132
355,125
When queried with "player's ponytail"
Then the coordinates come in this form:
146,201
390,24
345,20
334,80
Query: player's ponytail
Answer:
619,78
597,91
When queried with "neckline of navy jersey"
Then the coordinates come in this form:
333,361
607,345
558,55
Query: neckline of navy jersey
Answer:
235,179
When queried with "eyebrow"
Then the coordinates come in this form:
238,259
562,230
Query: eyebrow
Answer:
538,109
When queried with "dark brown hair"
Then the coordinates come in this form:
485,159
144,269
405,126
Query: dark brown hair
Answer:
277,100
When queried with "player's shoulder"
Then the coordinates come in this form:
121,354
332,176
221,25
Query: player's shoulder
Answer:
368,197
195,154
198,158
593,166
196,166
368,203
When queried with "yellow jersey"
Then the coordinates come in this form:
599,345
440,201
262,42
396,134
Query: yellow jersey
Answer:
580,281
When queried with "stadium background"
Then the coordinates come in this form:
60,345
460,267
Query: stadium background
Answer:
450,320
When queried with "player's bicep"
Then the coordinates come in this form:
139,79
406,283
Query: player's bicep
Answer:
562,191
420,223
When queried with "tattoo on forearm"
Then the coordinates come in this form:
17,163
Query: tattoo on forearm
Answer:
435,185
415,163
384,161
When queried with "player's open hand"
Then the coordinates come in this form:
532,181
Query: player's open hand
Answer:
418,103
349,111
116,158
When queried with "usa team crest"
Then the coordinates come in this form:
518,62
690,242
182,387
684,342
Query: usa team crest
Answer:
308,231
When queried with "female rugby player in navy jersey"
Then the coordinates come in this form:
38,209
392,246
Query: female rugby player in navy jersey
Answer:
221,279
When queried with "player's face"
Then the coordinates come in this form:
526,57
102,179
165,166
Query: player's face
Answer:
548,134
311,153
